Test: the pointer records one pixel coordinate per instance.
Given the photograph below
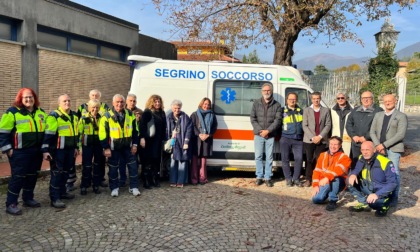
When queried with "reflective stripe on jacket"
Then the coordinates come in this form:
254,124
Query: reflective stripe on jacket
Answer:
61,130
89,130
20,129
330,166
378,173
115,136
292,123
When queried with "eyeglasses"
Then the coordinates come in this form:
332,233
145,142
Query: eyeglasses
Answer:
341,98
27,97
266,90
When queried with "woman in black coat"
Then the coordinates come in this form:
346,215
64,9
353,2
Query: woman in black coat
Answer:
205,125
152,146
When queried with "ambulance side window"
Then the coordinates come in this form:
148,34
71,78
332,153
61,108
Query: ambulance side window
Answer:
303,96
235,97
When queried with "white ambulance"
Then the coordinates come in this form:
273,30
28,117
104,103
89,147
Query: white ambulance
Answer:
232,88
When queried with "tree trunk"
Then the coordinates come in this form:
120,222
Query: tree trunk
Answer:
283,48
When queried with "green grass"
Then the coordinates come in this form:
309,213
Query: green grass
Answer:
412,99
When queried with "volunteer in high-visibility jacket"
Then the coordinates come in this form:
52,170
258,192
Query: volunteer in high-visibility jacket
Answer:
330,173
372,181
94,94
91,148
60,147
119,139
21,132
291,140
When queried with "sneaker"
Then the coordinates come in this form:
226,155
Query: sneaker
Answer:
114,192
259,182
269,183
58,204
297,183
13,209
135,191
31,203
332,205
382,212
289,183
360,207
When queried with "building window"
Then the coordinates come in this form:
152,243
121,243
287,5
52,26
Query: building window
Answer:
82,47
194,51
235,97
110,53
8,29
52,41
55,39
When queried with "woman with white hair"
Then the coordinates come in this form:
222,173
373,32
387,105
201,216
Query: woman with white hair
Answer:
179,131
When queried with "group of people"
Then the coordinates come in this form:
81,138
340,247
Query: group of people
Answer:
358,148
123,134
355,147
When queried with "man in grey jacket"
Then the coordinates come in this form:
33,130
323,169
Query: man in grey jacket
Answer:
316,126
387,132
266,121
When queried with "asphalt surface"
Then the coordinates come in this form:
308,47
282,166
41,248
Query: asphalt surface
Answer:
228,214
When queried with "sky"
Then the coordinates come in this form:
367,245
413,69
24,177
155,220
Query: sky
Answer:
144,14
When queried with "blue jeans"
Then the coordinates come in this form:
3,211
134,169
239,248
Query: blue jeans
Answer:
288,145
118,156
259,144
178,172
361,192
61,163
395,158
25,165
329,191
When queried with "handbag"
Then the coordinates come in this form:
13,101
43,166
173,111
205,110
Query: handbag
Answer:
151,129
168,145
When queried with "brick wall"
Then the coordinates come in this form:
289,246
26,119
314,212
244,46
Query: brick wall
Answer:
75,75
10,73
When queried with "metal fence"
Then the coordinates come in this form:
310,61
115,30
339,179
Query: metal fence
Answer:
330,84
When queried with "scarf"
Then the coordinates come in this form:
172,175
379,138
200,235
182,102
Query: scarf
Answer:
206,120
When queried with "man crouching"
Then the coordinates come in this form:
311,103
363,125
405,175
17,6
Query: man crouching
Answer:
330,173
372,181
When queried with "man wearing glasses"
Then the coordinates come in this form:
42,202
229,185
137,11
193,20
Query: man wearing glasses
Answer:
359,122
339,114
266,120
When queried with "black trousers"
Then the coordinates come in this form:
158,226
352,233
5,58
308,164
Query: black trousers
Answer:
312,152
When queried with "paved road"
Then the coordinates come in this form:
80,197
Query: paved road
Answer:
228,214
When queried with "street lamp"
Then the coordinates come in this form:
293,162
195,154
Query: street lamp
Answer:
387,37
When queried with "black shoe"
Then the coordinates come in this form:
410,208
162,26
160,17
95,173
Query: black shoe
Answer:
156,182
289,183
382,212
58,204
96,190
67,196
83,191
103,184
332,205
70,187
31,203
259,182
307,183
13,209
269,183
297,183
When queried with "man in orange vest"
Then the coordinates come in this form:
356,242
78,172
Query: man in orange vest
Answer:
330,173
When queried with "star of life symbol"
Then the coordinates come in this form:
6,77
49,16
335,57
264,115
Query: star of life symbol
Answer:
228,95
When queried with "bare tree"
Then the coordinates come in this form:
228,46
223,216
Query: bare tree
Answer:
245,22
